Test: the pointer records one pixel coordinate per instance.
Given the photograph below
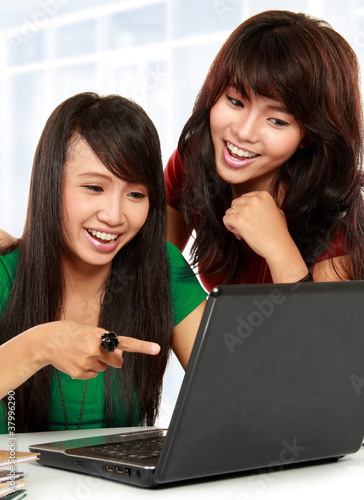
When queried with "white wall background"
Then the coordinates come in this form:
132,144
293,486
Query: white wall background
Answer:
156,52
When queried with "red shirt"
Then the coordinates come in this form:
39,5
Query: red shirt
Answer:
255,269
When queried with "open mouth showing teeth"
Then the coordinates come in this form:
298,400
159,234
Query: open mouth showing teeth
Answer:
239,153
104,237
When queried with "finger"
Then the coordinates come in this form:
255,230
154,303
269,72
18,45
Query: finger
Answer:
230,227
87,374
130,344
232,210
114,359
236,234
97,365
229,221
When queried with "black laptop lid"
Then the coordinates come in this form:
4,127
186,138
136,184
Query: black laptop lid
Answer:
275,377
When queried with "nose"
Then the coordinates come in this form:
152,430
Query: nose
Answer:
246,126
112,210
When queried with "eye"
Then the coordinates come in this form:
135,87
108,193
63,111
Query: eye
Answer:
94,189
279,123
235,102
137,195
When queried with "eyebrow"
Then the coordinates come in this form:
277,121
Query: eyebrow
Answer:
94,174
277,107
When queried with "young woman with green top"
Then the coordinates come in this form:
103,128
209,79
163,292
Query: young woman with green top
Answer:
91,297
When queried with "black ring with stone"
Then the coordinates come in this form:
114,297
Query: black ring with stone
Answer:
109,341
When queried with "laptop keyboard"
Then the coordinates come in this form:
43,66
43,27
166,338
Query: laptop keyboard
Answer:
139,449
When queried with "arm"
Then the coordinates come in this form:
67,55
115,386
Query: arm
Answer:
71,347
177,232
257,219
188,300
185,334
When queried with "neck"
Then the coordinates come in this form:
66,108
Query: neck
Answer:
84,291
80,275
263,182
249,187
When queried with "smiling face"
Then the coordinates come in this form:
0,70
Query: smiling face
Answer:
252,139
102,212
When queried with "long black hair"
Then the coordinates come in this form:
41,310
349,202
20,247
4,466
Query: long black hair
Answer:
303,62
137,297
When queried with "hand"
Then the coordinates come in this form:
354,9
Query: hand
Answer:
6,240
256,218
75,348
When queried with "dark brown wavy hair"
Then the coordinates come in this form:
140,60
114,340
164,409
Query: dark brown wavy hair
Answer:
310,67
137,298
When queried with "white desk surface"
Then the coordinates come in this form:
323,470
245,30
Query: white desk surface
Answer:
339,480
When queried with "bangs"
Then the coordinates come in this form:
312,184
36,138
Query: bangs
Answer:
112,146
267,67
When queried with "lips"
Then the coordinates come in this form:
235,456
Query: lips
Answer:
237,158
103,236
102,241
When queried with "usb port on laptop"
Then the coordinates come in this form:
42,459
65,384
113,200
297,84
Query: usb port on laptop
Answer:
109,468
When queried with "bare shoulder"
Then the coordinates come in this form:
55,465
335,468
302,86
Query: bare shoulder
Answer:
335,269
6,240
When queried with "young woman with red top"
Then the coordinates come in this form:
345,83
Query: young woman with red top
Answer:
268,167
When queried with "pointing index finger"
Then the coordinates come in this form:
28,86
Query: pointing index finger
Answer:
131,344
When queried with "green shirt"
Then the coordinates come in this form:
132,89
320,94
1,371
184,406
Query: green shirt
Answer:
187,294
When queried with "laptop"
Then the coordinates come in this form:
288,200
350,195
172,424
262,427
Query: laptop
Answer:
275,378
